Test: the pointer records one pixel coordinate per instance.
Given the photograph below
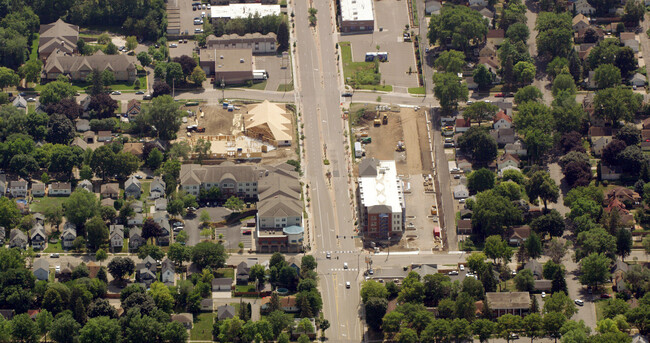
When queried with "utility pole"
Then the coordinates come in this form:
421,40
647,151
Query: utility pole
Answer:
223,90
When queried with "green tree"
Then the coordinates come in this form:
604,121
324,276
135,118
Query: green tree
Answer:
542,186
131,43
198,76
555,33
178,253
144,58
449,90
65,329
533,326
101,330
44,321
480,111
97,232
534,246
120,267
525,72
31,71
450,61
557,66
491,213
534,116
564,83
623,243
8,78
595,269
507,325
234,204
524,281
559,302
80,206
208,254
165,115
528,93
483,328
373,289
10,213
478,143
607,76
616,104
483,77
283,36
480,180
55,91
496,248
553,322
444,28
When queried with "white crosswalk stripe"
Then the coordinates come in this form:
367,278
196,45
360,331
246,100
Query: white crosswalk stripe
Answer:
344,270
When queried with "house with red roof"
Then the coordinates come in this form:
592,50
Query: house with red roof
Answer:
502,121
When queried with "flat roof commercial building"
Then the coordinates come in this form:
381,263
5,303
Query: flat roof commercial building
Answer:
257,42
357,16
234,11
232,66
381,199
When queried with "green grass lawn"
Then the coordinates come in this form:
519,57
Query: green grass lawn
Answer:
245,288
415,13
41,204
202,329
145,191
600,305
117,86
259,85
416,90
33,54
51,248
285,87
350,67
226,272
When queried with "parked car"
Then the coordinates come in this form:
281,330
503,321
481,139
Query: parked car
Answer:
31,100
346,94
55,255
147,97
579,302
605,296
57,269
116,93
499,95
139,92
173,45
246,232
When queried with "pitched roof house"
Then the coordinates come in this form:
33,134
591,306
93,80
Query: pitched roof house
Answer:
507,160
517,148
168,271
79,67
110,190
243,272
501,121
116,236
38,189
225,312
37,236
57,36
133,108
132,187
157,188
600,137
41,269
68,235
18,188
85,184
519,234
503,136
59,189
17,239
135,239
134,148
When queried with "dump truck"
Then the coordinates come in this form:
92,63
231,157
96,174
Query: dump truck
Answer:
385,119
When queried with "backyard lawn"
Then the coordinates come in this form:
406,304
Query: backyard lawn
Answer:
245,288
51,248
41,204
226,272
202,329
117,86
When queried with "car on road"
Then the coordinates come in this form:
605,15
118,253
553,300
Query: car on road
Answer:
116,93
31,100
499,95
57,269
371,272
197,30
147,97
514,336
345,265
579,302
457,176
347,284
605,296
346,94
209,7
203,14
139,92
543,294
193,8
328,255
55,255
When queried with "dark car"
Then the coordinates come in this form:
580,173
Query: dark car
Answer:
139,92
346,94
605,296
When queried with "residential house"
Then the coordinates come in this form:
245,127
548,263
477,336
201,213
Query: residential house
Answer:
165,233
610,172
432,7
296,333
501,121
487,14
60,189
629,39
487,51
134,148
77,68
583,7
145,276
289,304
137,205
86,184
110,190
625,195
89,137
37,237
168,271
225,312
17,239
543,285
116,236
638,338
243,272
519,235
79,142
221,284
638,80
503,136
464,165
20,103
231,179
535,268
580,21
82,125
147,263
107,202
133,109
58,36
39,218
507,160
41,269
461,192
462,125
136,219
269,122
590,34
600,137
104,136
132,187
478,3
500,303
184,318
68,235
157,188
8,314
161,204
135,239
18,188
517,148
207,305
495,37
38,189
584,50
505,106
491,63
464,227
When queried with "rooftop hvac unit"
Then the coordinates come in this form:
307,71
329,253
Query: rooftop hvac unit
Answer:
221,57
241,60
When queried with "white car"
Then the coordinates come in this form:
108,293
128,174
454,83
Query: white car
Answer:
328,255
543,294
57,269
211,7
117,93
345,265
347,284
173,45
31,100
579,302
203,14
462,267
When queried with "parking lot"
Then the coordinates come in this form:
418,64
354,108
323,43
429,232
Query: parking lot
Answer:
187,15
182,48
273,66
391,16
